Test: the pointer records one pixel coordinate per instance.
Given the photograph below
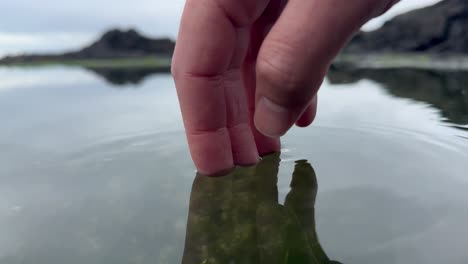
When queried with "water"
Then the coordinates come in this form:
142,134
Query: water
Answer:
94,168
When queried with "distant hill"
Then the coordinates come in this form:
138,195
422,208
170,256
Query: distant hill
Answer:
117,43
436,31
441,28
114,44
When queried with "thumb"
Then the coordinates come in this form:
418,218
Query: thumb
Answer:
296,55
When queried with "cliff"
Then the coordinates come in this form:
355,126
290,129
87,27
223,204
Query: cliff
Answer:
441,28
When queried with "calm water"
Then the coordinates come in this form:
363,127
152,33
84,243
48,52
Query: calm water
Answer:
94,168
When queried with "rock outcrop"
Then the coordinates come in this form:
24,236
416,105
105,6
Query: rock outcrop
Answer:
441,28
113,44
117,43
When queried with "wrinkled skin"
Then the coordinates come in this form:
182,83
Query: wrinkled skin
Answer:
246,71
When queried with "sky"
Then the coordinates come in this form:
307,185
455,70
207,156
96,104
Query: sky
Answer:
28,26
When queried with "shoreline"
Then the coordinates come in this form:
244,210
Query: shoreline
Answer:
423,61
449,62
149,62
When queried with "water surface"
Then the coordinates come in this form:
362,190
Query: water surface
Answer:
94,168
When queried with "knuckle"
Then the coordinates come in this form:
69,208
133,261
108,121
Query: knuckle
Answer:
287,75
241,12
277,73
281,84
175,69
174,72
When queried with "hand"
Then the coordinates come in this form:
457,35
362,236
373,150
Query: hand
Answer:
246,71
237,218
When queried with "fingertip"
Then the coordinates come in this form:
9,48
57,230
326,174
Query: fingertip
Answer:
244,150
211,151
266,145
272,120
304,121
221,173
308,117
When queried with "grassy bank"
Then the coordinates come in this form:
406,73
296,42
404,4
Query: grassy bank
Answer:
364,61
403,60
118,63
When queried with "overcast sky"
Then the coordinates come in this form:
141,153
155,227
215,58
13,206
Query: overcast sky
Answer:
57,25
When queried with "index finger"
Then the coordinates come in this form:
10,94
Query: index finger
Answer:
204,51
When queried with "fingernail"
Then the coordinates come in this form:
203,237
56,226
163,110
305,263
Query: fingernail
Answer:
271,119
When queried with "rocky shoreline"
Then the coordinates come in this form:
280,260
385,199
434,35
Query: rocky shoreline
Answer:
451,62
438,29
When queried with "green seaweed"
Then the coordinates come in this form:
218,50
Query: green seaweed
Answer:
238,219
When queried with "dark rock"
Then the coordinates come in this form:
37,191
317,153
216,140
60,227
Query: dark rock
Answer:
117,43
441,28
125,77
113,44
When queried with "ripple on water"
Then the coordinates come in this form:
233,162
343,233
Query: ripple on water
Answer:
382,190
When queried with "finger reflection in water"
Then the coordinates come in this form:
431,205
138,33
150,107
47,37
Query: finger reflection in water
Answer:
238,218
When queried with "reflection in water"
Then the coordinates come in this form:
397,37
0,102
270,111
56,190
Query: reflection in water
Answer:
447,91
94,175
125,76
238,219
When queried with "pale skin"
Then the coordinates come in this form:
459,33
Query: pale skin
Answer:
246,71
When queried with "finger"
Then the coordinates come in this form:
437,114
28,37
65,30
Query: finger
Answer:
244,150
204,52
266,178
309,114
265,145
208,201
297,52
301,202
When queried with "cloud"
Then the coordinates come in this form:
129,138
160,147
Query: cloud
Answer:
157,17
57,25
